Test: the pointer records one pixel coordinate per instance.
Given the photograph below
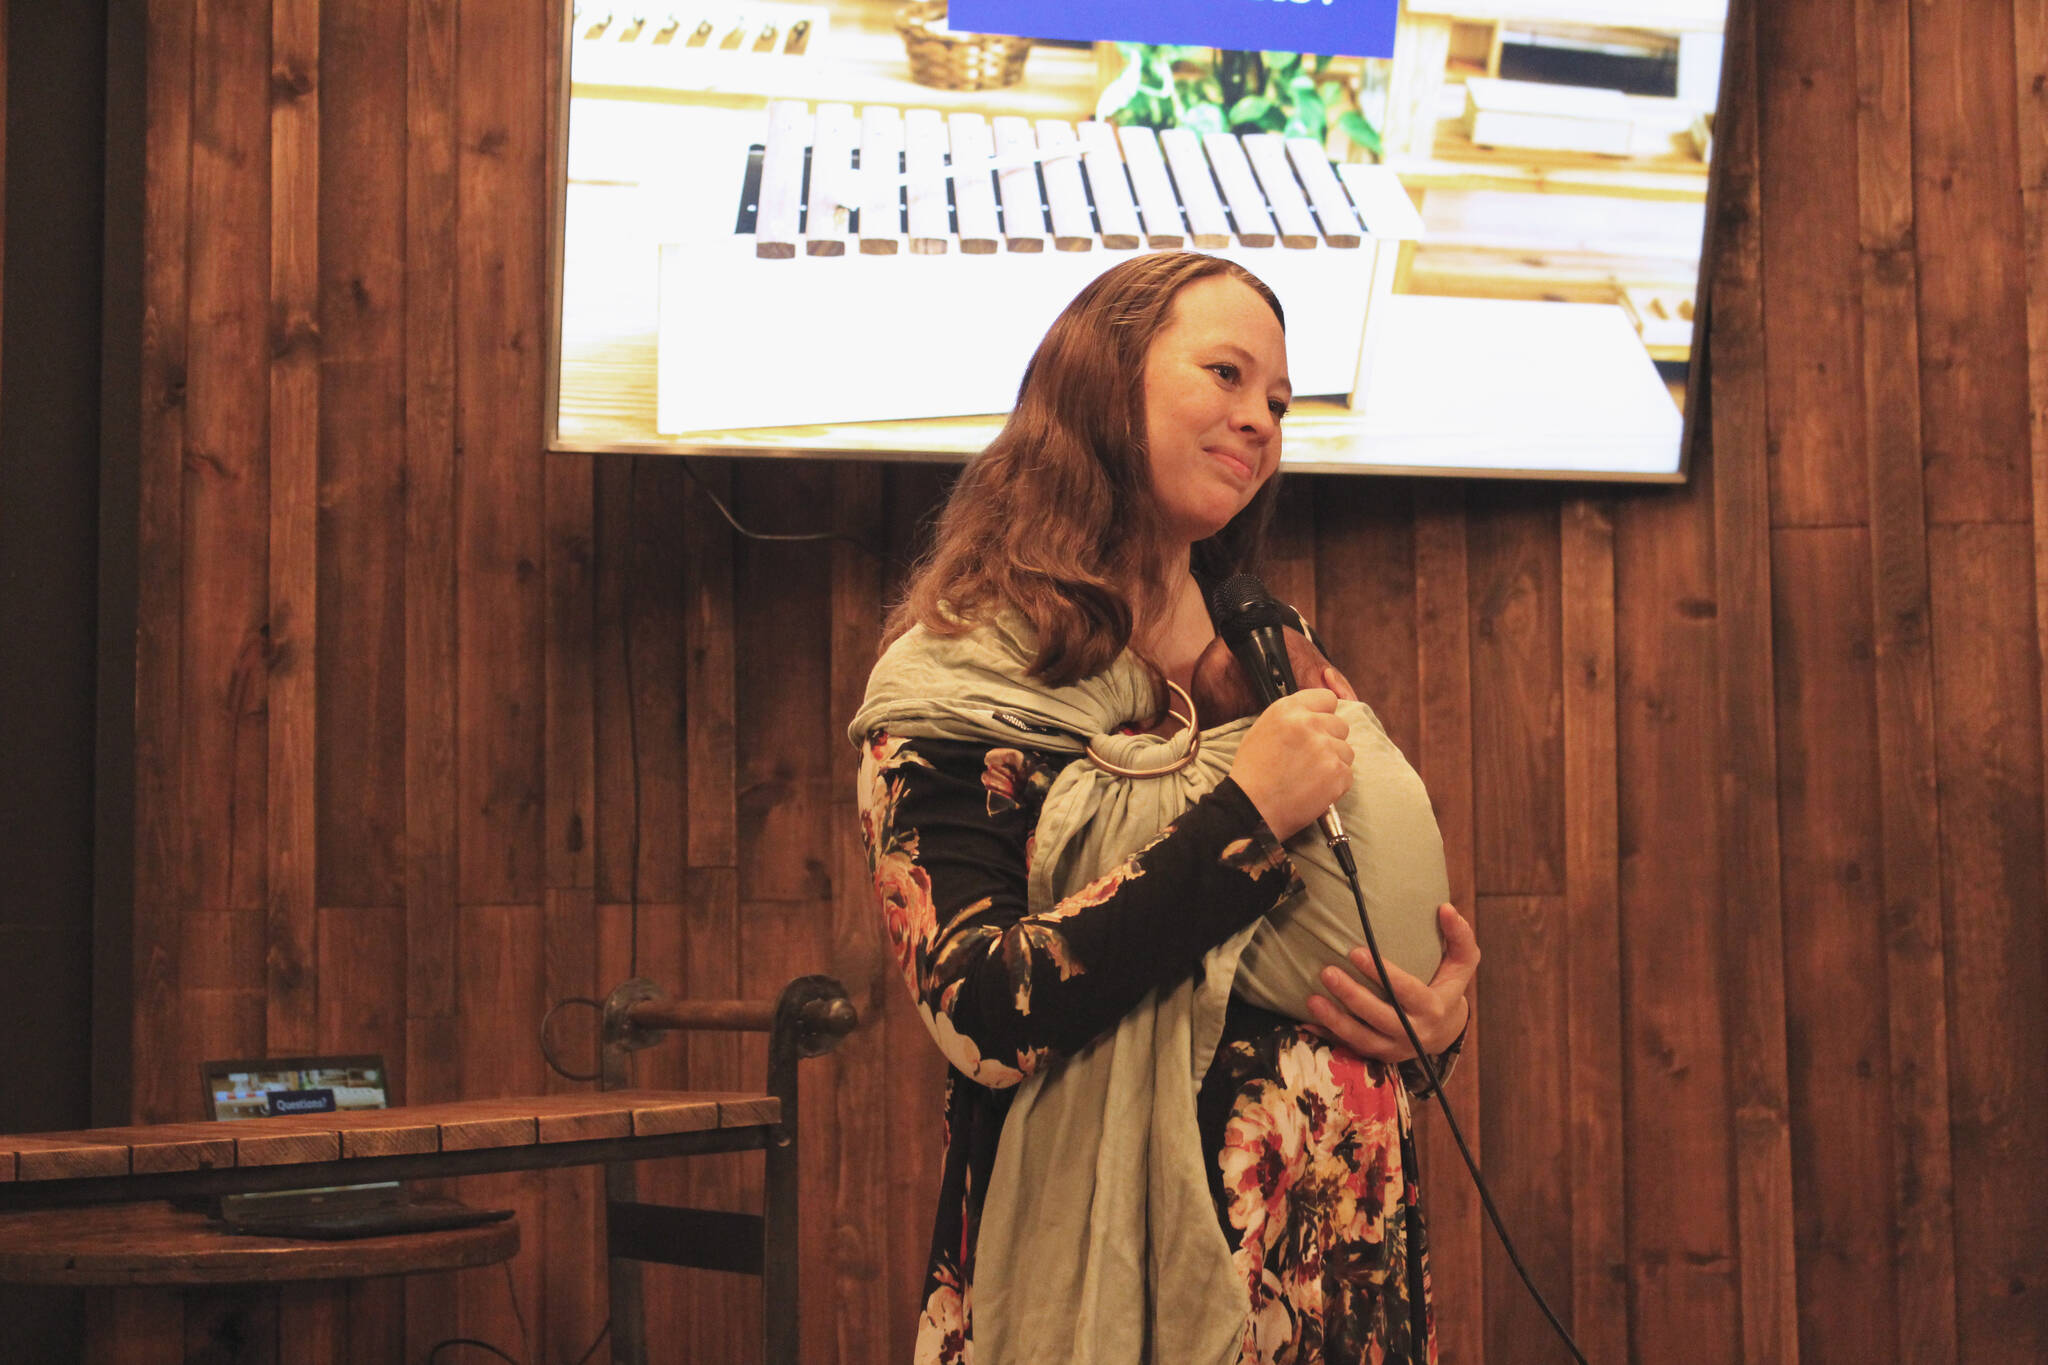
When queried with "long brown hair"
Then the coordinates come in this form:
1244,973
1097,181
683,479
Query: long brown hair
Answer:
1057,517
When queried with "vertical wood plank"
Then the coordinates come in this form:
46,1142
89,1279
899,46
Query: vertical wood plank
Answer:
853,1146
362,1009
1805,113
1754,933
503,951
1594,1026
500,599
641,669
1986,677
431,477
1443,636
569,652
227,1021
708,927
375,1314
225,456
433,1072
1837,1023
1527,1120
1968,234
572,1257
723,1326
1290,564
222,950
1680,1205
163,872
313,1321
362,970
2030,27
677,1306
359,703
235,1325
1365,594
613,515
294,519
1517,736
1922,1187
134,1326
785,761
708,631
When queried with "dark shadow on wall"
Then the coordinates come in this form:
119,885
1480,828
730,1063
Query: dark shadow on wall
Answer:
66,567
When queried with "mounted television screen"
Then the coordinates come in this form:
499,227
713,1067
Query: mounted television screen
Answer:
841,228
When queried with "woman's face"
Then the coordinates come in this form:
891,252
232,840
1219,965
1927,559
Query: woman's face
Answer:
1215,389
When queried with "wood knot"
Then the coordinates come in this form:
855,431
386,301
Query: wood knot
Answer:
296,331
206,462
287,966
1698,608
289,82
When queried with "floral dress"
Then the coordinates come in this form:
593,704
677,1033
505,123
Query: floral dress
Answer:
1311,1155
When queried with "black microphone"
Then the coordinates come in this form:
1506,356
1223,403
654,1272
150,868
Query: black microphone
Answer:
1254,626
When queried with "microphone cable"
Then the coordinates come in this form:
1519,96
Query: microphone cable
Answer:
1341,848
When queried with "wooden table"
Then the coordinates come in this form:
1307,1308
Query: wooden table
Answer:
467,1137
75,1218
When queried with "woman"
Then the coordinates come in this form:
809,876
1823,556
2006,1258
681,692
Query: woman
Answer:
1138,462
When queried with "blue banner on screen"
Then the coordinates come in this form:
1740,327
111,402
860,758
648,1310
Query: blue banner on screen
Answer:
1339,28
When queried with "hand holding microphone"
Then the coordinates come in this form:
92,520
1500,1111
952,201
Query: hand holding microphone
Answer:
1296,760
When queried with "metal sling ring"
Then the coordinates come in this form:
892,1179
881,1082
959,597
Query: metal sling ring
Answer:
1194,744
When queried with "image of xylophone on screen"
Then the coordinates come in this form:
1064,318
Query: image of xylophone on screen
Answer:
831,263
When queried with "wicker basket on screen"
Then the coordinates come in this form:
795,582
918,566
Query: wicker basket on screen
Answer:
946,60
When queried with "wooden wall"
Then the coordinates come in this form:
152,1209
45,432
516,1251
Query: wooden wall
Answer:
1743,782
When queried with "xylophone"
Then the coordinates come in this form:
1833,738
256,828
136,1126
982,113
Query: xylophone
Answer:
887,263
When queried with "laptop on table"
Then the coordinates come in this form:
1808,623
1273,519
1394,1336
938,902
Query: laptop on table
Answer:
267,1087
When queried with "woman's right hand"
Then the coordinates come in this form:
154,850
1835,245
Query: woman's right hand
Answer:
1295,761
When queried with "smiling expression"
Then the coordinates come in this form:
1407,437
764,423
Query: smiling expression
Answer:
1216,388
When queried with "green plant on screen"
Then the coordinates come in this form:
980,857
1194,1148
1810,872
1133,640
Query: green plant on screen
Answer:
1166,85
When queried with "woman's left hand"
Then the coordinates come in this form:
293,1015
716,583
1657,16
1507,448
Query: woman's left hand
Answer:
1359,1018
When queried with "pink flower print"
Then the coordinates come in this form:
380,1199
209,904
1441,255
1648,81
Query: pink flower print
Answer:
911,920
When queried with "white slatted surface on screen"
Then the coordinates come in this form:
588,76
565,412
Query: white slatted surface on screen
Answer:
888,263
1084,185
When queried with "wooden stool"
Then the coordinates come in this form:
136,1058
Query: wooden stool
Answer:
253,1300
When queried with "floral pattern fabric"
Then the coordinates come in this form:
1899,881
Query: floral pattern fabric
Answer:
1312,1154
1314,1183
